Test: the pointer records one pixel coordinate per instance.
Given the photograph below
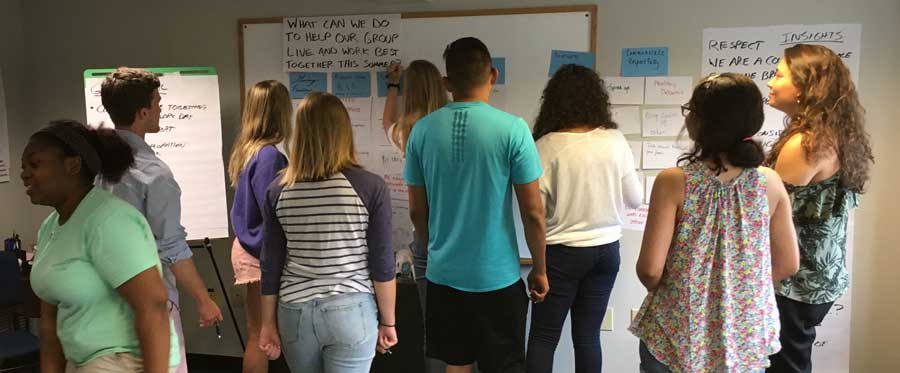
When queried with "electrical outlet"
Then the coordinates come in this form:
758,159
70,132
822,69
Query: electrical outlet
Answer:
607,324
634,312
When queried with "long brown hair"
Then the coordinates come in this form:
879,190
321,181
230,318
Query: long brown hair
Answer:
266,121
423,93
322,142
830,118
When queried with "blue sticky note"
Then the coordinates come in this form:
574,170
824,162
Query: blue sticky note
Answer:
382,84
303,83
352,84
499,63
559,58
645,61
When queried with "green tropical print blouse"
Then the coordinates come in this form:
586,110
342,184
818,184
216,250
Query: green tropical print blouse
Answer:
821,211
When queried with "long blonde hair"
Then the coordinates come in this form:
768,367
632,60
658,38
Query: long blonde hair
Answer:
423,92
266,120
322,142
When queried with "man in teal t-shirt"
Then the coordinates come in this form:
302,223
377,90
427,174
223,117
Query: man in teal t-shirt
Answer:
462,163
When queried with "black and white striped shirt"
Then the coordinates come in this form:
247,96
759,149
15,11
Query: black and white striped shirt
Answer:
328,237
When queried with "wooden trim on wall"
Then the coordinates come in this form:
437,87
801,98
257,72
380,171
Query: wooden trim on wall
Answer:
501,11
590,9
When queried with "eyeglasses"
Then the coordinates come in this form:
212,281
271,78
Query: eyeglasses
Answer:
685,110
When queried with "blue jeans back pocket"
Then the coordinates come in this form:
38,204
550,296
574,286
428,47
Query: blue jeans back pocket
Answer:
289,323
347,324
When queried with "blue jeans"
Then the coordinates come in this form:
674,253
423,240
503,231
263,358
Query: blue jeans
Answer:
649,364
581,280
420,263
333,334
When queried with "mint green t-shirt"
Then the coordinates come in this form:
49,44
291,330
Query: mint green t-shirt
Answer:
468,156
78,267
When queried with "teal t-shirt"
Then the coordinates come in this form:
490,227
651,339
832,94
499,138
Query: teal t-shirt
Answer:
468,155
78,267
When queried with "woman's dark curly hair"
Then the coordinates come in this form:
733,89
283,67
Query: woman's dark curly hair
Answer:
574,97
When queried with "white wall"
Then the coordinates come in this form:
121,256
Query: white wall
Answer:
15,211
61,38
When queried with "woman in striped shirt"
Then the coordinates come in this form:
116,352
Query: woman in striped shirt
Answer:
327,253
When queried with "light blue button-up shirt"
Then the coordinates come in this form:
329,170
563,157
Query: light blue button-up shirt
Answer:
150,187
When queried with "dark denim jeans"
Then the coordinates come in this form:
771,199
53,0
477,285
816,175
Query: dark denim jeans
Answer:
581,280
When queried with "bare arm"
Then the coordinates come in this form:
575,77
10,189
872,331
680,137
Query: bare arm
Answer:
386,296
189,279
269,340
418,213
52,358
782,234
794,167
531,210
665,201
390,108
146,294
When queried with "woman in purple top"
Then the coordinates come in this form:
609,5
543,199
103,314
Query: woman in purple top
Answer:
254,163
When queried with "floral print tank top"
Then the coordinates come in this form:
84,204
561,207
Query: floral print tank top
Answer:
714,309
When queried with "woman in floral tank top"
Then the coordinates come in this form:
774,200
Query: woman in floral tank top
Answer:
718,233
823,156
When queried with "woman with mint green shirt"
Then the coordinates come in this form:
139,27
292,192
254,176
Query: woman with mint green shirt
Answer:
96,271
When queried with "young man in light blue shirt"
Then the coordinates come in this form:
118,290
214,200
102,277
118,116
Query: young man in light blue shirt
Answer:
463,162
131,97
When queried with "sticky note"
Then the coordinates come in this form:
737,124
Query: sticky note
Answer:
559,58
662,122
303,83
628,118
645,61
636,219
662,154
668,90
499,63
352,84
624,90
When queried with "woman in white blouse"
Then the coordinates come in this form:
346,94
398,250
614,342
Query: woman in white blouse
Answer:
589,179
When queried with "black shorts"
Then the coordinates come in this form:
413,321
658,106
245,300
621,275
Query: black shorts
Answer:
462,328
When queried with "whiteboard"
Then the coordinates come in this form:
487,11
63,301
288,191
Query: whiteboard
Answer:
189,141
524,37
